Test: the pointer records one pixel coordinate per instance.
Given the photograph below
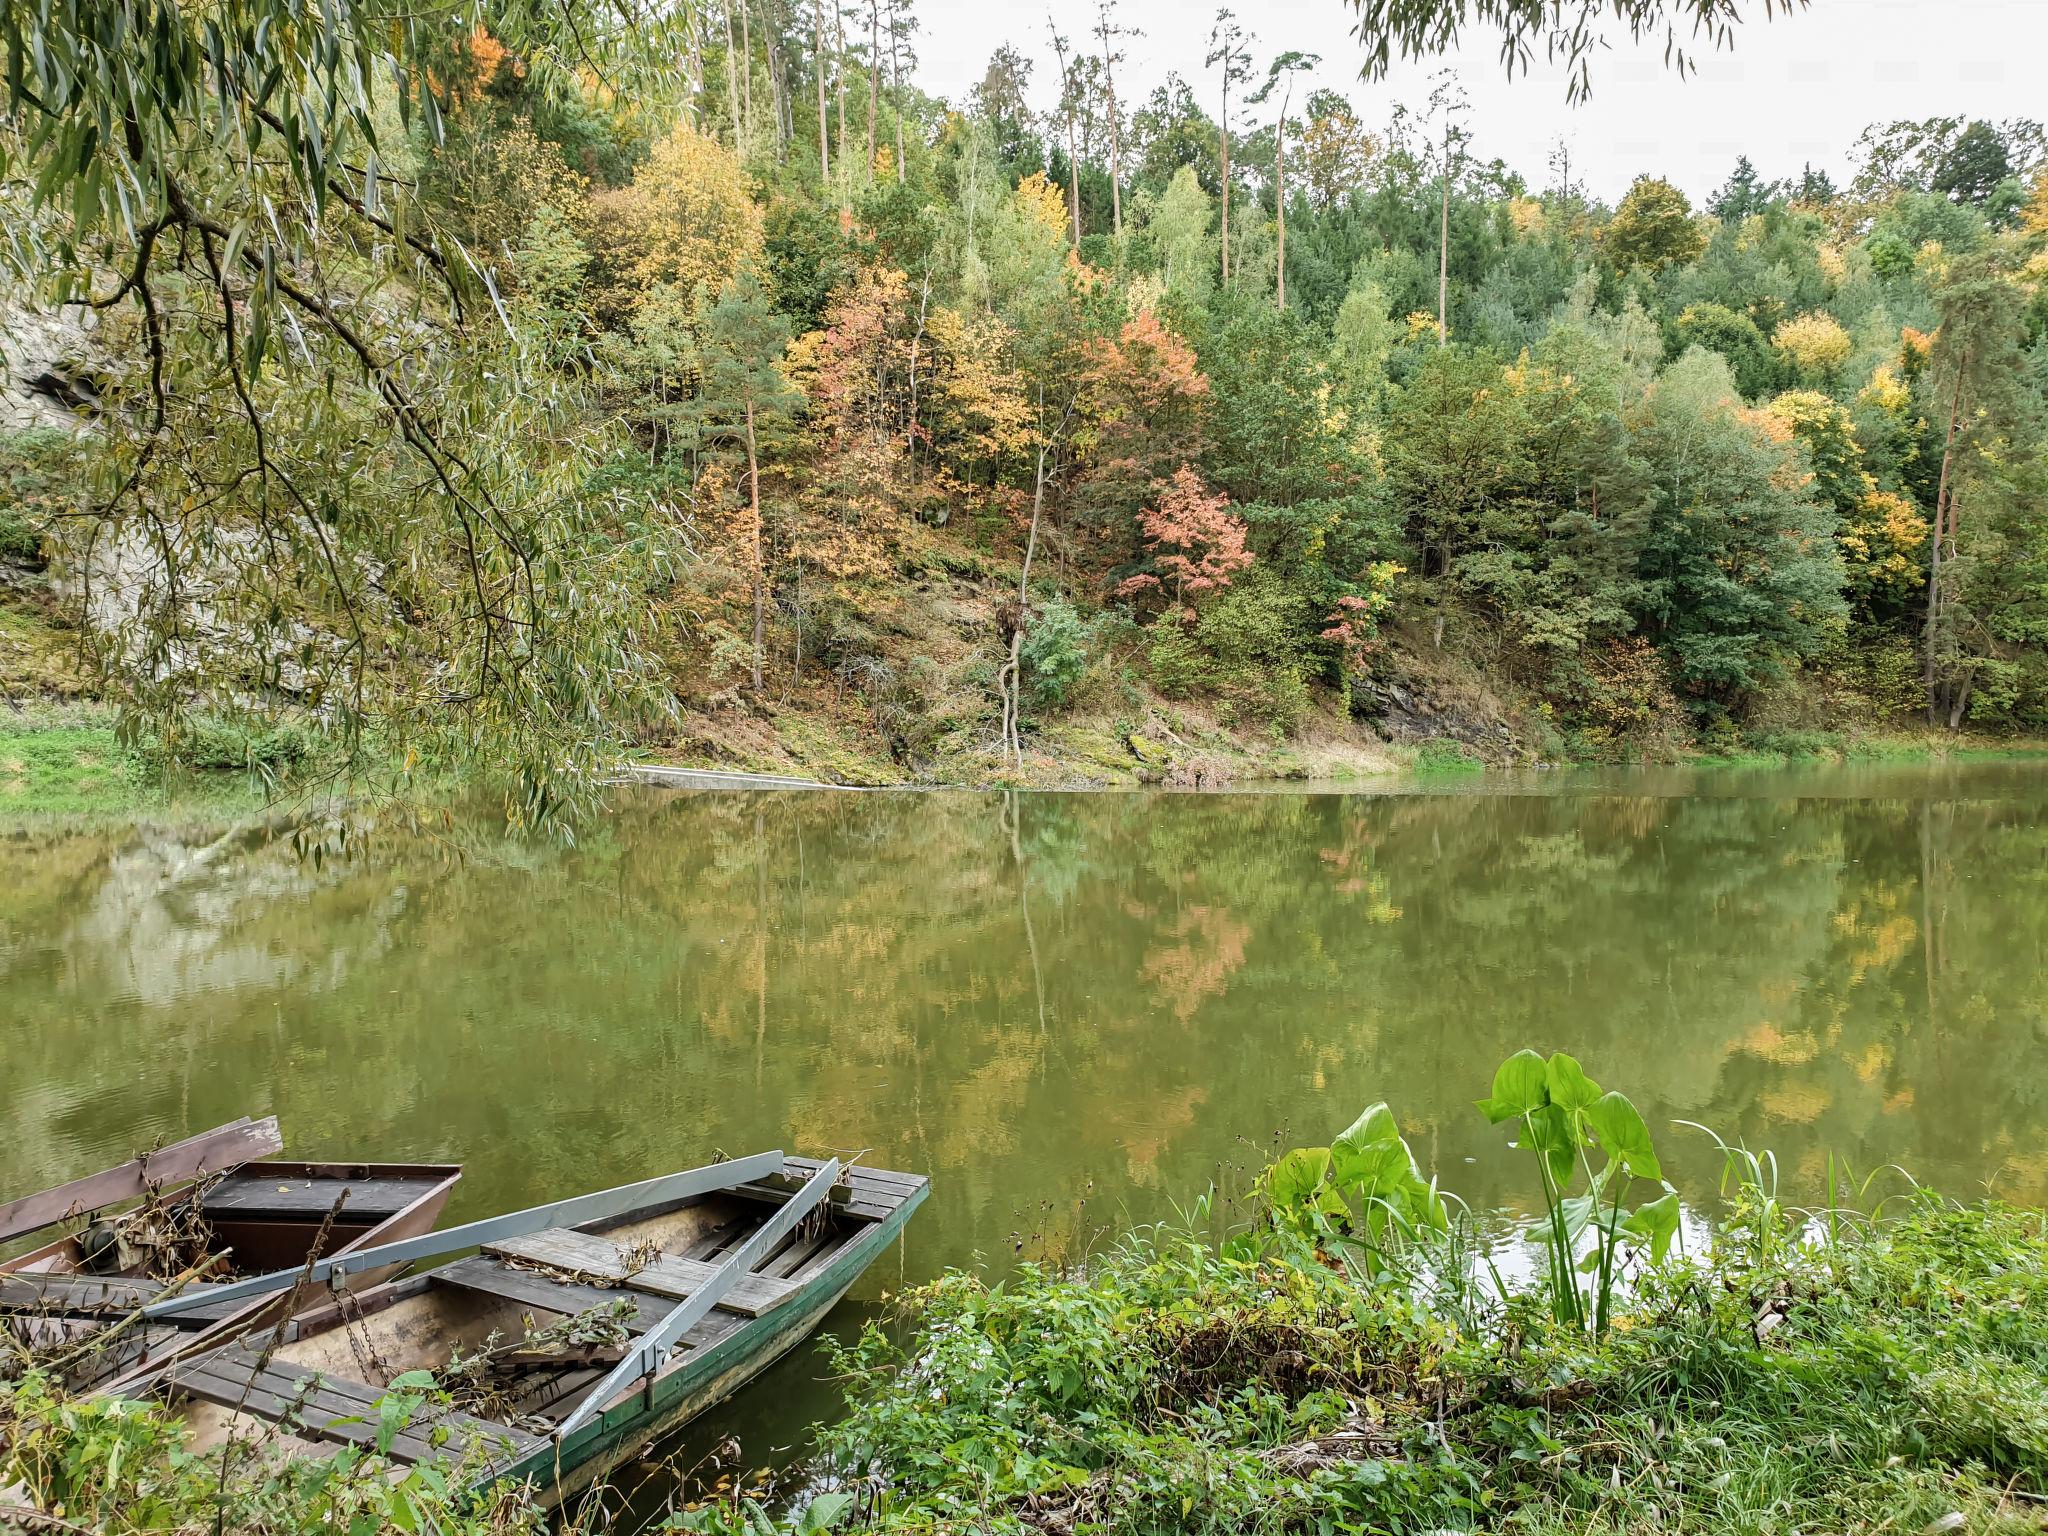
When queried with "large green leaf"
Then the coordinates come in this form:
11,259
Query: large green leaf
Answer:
1655,1224
1551,1134
1371,1156
1568,1084
1295,1178
1520,1086
1623,1134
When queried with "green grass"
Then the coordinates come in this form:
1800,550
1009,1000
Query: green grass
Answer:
1444,759
67,760
68,769
1178,1385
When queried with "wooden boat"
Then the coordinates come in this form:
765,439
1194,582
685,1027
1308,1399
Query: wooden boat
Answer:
210,1207
704,1278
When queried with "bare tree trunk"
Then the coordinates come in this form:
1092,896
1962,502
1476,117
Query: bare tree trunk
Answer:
839,23
693,64
896,91
1223,133
1443,248
1116,150
818,63
1059,46
1280,195
778,79
1941,517
732,82
760,560
747,69
874,76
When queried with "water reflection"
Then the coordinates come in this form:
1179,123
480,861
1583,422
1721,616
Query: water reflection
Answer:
1069,1009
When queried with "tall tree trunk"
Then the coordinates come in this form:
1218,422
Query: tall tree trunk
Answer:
1059,47
785,113
818,63
874,77
1224,135
693,64
760,547
747,66
1443,248
896,94
839,24
1280,196
732,82
1116,148
1931,674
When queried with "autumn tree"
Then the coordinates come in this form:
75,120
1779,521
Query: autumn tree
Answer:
687,221
744,396
1193,542
1815,344
1336,150
1653,227
1143,402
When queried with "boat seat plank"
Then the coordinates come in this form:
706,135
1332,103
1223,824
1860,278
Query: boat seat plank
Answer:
583,1254
79,1295
250,1196
795,1255
329,1406
543,1293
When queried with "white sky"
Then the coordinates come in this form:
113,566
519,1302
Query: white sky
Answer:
1791,90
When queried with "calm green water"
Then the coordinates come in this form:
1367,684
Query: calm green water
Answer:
1069,1010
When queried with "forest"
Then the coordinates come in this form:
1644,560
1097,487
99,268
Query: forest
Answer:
538,413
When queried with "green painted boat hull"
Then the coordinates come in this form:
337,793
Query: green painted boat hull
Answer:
697,1381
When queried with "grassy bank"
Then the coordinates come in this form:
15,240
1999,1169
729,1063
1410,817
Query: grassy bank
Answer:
1339,1354
69,760
1348,1360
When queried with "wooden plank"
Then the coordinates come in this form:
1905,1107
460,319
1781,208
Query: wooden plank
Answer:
543,1293
76,1295
284,1392
658,1344
596,1206
252,1196
224,1147
580,1253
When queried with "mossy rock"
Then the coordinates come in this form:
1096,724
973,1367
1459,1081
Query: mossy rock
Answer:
1148,751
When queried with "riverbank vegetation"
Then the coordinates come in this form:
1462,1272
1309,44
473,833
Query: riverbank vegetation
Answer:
1354,1360
703,387
1348,1349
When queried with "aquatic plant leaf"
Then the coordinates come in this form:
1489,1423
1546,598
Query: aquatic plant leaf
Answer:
1520,1086
1568,1084
823,1512
1622,1132
1655,1223
1371,1155
1550,1133
1295,1178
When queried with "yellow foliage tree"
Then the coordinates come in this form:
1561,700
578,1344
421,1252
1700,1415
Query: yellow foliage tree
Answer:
1814,343
689,218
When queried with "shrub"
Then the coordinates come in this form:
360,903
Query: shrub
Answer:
1245,647
1055,655
39,473
213,744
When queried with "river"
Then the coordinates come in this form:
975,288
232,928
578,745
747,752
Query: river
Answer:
1072,1011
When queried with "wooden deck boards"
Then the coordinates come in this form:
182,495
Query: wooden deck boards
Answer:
580,1253
325,1405
250,1195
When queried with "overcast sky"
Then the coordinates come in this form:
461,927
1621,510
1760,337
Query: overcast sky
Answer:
1792,90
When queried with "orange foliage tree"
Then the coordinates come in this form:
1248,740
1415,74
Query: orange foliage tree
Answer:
1194,540
1143,403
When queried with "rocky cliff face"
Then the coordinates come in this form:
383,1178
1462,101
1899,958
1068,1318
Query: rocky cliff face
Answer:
46,366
